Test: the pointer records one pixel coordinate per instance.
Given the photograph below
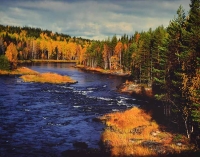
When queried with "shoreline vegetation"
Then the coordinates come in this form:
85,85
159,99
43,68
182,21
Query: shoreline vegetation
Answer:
134,133
103,71
47,60
19,71
29,75
128,87
137,89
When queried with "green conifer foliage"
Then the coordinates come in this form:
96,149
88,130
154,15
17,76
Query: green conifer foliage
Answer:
4,63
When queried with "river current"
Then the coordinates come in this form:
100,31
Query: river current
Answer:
46,119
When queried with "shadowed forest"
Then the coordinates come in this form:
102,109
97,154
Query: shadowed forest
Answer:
165,59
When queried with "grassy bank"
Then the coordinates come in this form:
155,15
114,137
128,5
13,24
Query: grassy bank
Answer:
48,78
19,71
134,133
103,71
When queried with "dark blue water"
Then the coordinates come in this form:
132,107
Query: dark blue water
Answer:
45,119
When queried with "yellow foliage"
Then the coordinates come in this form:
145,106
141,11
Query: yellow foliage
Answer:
11,54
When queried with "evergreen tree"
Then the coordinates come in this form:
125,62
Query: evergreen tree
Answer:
177,58
145,58
158,51
192,68
4,63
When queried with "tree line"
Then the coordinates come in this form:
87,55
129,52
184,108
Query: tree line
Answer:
167,59
34,43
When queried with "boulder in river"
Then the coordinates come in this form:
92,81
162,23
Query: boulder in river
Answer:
81,145
90,152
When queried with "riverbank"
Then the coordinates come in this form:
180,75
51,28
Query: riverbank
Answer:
129,87
103,71
19,71
138,90
135,133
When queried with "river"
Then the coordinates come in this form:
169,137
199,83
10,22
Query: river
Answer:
46,119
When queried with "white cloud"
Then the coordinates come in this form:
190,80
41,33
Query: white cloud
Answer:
91,18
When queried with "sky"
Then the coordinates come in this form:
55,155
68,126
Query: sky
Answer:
91,19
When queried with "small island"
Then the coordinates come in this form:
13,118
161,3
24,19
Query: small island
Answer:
48,78
29,75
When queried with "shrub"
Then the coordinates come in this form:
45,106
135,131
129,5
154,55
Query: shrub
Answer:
4,63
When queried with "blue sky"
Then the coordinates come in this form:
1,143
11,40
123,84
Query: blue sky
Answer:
91,19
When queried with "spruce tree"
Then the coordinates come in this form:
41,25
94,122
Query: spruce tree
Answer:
176,71
192,68
158,60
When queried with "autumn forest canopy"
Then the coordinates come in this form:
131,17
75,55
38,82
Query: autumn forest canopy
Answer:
166,59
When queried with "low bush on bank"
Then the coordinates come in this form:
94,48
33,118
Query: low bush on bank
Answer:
133,133
4,63
48,78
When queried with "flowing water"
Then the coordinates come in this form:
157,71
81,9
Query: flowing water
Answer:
45,119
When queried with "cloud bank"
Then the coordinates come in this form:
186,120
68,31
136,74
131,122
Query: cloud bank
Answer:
90,19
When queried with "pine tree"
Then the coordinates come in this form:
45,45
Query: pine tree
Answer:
177,60
195,97
159,50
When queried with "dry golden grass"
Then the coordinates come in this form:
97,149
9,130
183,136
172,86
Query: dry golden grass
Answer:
123,141
3,72
125,122
48,78
19,71
29,75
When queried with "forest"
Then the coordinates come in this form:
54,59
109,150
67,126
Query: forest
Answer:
166,59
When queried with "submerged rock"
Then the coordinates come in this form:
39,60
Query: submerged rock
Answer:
81,145
96,119
85,153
